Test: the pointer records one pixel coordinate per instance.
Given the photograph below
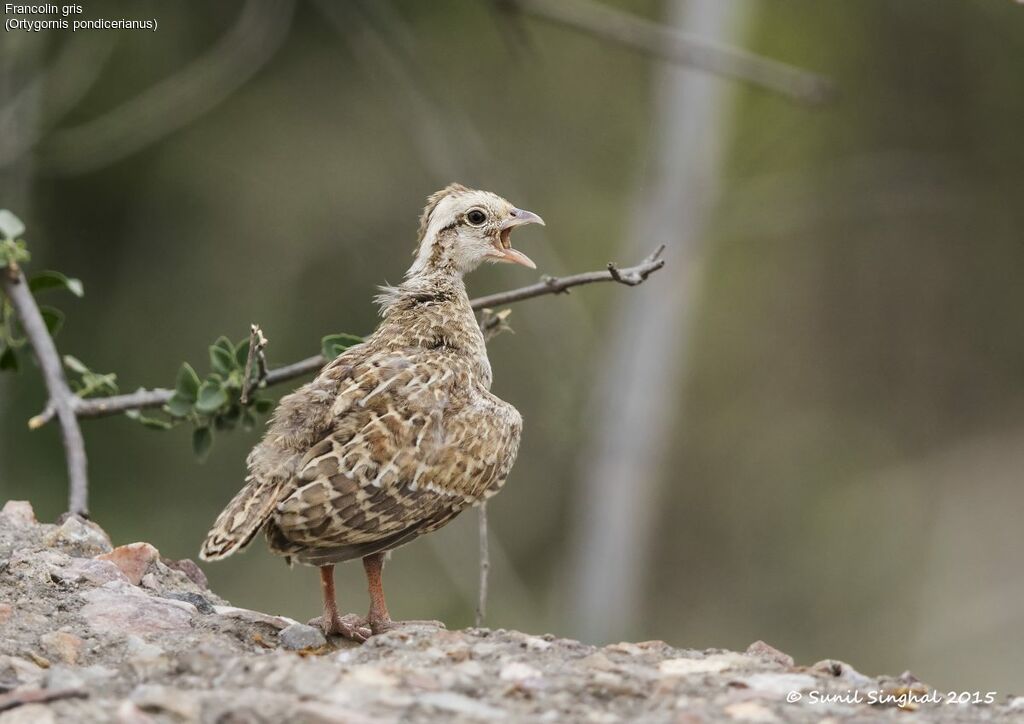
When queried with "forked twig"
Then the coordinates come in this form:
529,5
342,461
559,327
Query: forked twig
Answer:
257,358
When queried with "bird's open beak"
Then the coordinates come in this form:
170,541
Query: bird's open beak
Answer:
504,251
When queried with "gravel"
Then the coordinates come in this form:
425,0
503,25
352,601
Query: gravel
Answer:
90,632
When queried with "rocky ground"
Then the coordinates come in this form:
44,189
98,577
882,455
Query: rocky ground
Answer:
89,632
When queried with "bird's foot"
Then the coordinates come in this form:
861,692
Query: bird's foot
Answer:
349,626
379,626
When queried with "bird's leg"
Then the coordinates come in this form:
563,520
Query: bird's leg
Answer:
331,623
378,619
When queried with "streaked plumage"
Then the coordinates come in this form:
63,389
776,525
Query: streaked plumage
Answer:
398,434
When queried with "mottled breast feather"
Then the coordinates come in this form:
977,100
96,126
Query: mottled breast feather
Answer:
392,440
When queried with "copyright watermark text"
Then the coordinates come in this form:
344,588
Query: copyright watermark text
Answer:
902,698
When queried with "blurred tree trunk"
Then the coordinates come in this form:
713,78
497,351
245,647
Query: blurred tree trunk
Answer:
638,382
20,103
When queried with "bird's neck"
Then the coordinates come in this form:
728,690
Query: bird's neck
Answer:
433,311
441,282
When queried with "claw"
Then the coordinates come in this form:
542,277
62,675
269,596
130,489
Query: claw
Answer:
349,626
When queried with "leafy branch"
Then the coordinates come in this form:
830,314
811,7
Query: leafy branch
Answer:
20,310
227,396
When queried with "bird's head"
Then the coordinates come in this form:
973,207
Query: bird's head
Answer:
461,228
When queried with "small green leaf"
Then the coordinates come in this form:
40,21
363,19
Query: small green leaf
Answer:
221,360
202,440
187,384
11,227
154,423
8,360
178,406
75,365
55,280
242,353
334,344
53,318
13,251
225,344
98,385
211,398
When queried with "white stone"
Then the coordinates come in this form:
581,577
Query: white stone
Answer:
707,665
518,671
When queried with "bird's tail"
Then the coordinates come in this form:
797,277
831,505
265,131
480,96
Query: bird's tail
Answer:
243,518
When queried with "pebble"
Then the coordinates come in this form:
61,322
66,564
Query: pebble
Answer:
113,610
707,665
192,571
536,643
244,614
19,511
150,581
134,559
89,570
518,671
81,537
624,647
299,636
769,652
62,645
200,602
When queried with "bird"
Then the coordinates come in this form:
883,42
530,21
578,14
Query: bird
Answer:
398,434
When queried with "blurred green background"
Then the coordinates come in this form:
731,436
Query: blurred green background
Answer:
831,361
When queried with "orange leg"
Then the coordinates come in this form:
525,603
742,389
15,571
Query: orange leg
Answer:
378,619
331,622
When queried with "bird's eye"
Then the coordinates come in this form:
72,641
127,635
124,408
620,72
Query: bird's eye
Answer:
476,217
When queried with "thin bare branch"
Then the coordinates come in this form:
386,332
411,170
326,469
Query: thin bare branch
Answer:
62,399
630,276
606,23
105,406
485,566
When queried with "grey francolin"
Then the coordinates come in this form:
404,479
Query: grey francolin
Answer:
397,435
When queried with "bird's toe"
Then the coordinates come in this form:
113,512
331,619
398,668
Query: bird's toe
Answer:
349,626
